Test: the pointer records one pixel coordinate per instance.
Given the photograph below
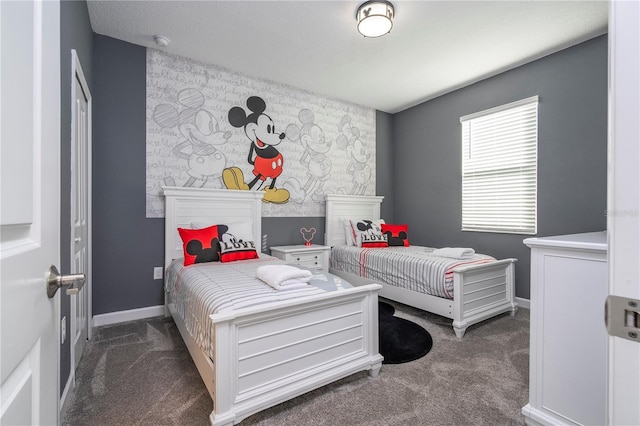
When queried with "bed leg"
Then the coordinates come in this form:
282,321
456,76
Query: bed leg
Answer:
459,331
167,312
459,327
375,369
220,421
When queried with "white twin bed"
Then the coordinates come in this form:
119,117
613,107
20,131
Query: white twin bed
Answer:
259,355
479,290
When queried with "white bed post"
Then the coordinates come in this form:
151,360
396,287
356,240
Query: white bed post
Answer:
459,324
224,378
511,286
374,337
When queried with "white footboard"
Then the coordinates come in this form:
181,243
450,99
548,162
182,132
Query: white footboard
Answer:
481,292
267,356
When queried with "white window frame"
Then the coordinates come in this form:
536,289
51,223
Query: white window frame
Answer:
500,168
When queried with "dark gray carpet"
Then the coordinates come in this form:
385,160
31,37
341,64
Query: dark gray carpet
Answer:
140,373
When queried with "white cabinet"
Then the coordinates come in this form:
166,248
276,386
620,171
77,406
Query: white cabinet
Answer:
313,257
568,350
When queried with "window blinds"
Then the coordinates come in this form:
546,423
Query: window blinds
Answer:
499,168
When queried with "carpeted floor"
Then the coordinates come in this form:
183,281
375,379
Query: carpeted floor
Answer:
140,373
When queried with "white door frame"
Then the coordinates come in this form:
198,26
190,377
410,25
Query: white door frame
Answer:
623,206
77,73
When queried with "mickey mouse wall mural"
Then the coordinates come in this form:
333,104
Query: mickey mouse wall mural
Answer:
267,161
207,127
315,158
201,137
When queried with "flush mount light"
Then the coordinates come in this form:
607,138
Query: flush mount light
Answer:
375,18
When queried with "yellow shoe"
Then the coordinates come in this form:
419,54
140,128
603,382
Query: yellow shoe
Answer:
275,195
233,178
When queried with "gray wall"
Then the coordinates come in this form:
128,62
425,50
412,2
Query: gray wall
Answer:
572,154
127,245
75,33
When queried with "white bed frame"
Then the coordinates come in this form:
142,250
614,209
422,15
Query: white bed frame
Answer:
267,355
480,291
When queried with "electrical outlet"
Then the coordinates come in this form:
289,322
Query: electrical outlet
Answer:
63,330
157,273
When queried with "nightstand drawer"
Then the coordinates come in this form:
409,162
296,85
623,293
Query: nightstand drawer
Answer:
310,260
315,258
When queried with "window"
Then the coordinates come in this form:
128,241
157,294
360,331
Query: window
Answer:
499,168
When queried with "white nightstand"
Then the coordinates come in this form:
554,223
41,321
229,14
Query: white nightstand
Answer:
313,257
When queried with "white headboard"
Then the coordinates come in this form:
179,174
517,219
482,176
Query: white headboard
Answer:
341,207
186,205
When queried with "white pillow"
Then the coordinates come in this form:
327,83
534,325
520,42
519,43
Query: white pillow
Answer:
201,225
349,235
366,226
241,230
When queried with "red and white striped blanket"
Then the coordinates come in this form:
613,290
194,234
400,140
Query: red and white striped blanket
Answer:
203,289
415,268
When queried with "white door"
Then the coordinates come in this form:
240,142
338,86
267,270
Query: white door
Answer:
29,210
623,224
80,214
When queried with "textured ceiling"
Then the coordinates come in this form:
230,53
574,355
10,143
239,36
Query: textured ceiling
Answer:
435,46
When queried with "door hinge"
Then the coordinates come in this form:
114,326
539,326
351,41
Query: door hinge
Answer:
622,317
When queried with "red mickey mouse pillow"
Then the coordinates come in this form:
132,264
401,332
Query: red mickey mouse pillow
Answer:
397,235
200,245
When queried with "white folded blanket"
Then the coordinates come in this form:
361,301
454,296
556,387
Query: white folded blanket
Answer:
283,277
455,252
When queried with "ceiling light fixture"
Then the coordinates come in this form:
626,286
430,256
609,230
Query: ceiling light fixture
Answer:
375,18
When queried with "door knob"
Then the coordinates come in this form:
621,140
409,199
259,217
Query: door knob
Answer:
55,280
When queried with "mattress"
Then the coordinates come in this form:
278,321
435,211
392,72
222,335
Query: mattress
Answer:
414,268
203,289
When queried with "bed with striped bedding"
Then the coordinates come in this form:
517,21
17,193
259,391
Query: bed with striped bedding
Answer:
203,289
413,268
467,291
270,345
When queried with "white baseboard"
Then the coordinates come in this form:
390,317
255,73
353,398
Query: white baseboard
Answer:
130,315
523,303
66,393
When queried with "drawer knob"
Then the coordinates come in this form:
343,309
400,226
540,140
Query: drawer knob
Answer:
315,257
298,258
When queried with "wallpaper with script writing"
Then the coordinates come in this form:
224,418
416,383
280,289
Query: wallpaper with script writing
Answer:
211,127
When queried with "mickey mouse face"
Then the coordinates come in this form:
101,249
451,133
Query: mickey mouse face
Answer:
201,245
365,225
203,255
397,240
397,235
313,139
202,128
263,132
258,126
358,152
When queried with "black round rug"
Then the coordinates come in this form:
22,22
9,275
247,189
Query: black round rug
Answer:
400,340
